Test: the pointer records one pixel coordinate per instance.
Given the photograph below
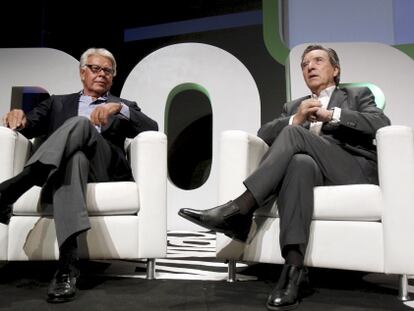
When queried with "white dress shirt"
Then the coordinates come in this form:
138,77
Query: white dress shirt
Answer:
324,98
87,104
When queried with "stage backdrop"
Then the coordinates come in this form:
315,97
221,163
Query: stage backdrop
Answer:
199,69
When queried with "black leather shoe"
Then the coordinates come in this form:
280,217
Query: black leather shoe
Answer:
286,294
5,212
225,218
63,286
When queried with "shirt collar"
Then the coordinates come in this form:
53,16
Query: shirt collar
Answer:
100,99
327,92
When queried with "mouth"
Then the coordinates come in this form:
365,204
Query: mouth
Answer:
312,76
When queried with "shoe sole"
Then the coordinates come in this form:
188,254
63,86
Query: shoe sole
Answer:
230,234
282,308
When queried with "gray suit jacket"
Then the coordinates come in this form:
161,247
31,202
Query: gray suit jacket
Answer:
50,114
360,119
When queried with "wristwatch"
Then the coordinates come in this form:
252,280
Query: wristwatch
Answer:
336,115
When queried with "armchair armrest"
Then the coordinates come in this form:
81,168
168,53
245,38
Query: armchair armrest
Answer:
148,156
395,145
240,153
14,152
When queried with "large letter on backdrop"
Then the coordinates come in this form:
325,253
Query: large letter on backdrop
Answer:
233,95
53,70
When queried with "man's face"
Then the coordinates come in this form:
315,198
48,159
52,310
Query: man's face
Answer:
318,71
96,76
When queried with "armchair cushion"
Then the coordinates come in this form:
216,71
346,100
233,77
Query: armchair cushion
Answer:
104,198
360,202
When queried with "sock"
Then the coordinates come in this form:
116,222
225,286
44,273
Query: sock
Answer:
293,255
68,254
246,202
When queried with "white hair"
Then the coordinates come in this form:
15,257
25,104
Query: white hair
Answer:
97,51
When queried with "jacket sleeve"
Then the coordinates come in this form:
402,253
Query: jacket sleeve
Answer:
364,116
270,130
38,119
138,121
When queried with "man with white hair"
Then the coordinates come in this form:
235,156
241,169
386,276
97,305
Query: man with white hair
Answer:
85,134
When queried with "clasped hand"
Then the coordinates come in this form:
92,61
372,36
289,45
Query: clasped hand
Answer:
99,116
311,110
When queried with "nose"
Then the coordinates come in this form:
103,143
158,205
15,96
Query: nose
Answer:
311,68
311,65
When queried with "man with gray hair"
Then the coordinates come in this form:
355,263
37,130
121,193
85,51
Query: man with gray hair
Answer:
85,134
325,138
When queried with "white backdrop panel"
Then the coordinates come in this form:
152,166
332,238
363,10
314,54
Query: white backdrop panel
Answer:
233,94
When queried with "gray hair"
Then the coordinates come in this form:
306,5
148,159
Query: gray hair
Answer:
97,51
333,58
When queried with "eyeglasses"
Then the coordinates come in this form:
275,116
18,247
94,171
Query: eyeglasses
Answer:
96,69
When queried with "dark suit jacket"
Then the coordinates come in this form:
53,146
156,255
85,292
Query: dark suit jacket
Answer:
359,121
50,114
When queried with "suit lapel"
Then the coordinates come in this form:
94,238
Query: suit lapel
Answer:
71,105
113,99
337,99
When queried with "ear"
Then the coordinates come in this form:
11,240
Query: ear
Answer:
82,74
336,71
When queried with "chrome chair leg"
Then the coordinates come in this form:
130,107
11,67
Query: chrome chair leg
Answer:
403,294
150,268
231,271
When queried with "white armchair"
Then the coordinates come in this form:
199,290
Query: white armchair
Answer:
128,218
356,227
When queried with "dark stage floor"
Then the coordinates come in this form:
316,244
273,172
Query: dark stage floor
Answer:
192,280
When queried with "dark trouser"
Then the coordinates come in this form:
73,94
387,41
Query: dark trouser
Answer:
295,163
77,153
